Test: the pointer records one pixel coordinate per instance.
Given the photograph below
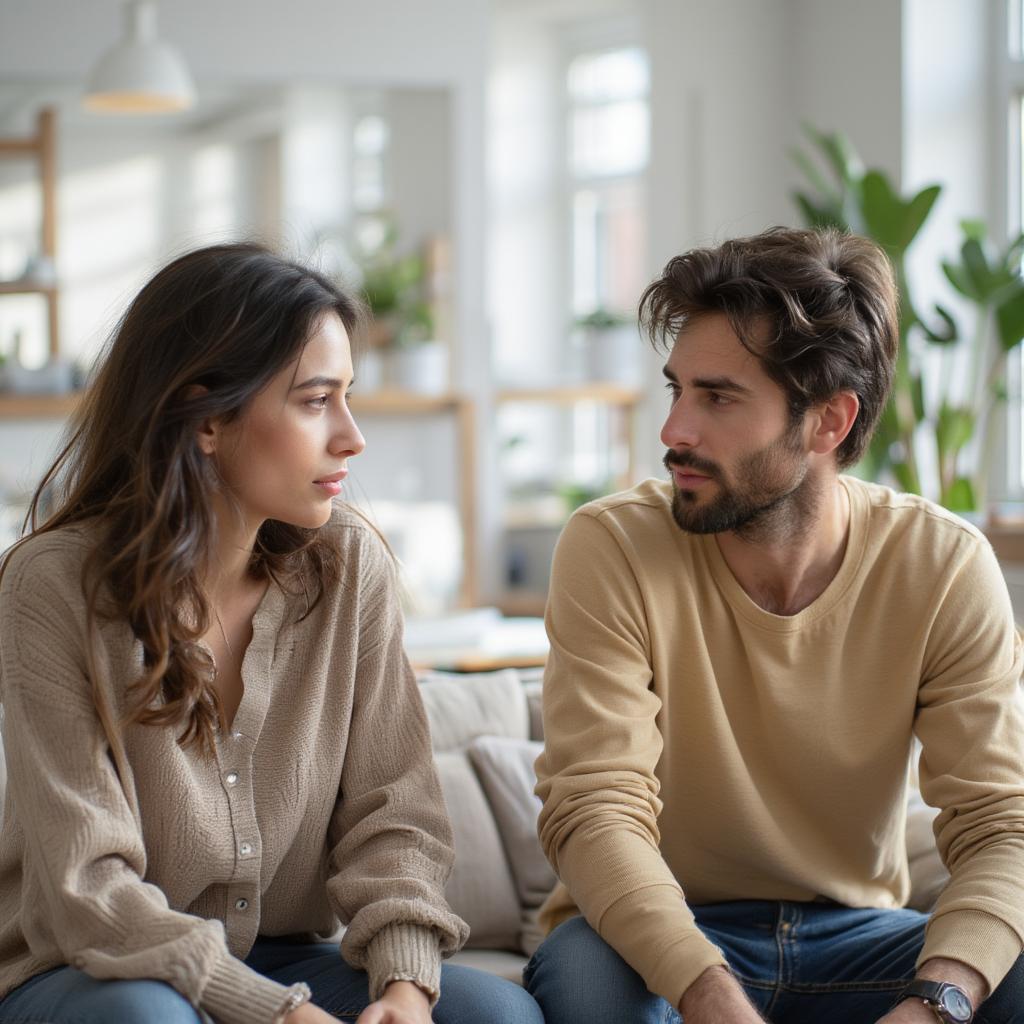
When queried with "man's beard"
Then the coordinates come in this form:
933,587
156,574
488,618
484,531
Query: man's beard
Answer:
769,497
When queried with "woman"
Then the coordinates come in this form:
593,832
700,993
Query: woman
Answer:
215,744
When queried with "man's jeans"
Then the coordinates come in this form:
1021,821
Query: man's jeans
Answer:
800,963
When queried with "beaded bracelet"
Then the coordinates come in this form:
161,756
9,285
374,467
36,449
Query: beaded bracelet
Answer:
297,994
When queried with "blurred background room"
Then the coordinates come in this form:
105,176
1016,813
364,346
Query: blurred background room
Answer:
501,179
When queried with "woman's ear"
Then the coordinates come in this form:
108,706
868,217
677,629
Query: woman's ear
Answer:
835,419
206,432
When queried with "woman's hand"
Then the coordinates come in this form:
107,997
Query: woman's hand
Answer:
307,1013
402,1003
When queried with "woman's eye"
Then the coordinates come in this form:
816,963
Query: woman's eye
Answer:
320,402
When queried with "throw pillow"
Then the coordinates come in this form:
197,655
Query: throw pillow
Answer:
505,767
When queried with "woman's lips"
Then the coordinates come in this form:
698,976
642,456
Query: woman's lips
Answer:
331,484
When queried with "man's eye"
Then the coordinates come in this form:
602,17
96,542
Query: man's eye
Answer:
673,389
718,399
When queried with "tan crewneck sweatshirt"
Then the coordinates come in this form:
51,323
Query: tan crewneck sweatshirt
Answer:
701,749
322,803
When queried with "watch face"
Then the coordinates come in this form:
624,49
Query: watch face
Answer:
956,1006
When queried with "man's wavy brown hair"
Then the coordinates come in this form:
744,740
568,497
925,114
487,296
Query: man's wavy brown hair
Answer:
819,309
201,339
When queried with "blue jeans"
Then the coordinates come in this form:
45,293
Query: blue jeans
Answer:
800,963
67,996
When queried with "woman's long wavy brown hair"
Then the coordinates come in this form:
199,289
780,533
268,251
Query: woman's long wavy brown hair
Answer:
201,339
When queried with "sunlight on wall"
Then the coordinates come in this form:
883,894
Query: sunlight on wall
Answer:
110,231
213,172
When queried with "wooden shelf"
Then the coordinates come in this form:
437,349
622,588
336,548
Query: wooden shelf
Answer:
38,407
397,403
606,393
42,148
26,288
392,403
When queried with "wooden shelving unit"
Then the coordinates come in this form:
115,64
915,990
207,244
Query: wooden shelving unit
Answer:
408,403
381,403
624,399
42,147
38,407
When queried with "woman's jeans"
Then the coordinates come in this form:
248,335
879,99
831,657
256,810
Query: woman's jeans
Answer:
800,963
67,996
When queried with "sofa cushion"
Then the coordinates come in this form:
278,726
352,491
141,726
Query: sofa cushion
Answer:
462,707
481,889
505,768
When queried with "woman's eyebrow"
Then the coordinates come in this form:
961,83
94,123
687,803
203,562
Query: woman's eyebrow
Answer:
318,382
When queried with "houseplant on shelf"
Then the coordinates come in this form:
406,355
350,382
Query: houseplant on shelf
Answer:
396,290
609,347
936,434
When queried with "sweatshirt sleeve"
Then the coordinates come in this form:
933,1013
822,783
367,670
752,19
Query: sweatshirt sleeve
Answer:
970,725
83,842
390,840
598,826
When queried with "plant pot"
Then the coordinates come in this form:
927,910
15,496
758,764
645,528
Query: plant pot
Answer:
612,354
421,368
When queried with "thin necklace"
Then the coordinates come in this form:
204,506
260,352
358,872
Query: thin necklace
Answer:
223,632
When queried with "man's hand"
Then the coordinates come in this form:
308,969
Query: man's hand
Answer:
716,997
402,1003
916,1011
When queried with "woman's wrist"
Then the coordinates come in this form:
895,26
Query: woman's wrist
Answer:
296,996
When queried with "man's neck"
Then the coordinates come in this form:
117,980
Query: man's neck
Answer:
786,564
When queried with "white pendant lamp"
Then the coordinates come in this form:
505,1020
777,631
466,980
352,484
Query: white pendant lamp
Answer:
140,75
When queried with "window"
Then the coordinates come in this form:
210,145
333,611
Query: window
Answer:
608,144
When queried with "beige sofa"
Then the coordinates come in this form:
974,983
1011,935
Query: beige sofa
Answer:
486,732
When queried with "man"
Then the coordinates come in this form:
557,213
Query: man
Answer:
740,661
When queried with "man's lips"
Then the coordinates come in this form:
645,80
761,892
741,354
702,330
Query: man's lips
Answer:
684,476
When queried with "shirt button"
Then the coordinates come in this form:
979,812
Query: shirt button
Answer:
245,849
241,904
231,778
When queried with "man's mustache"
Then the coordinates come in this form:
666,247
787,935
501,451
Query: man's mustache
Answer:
687,460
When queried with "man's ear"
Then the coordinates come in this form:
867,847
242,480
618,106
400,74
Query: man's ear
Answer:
832,420
206,432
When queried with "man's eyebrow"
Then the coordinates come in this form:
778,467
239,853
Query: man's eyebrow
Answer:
712,383
318,382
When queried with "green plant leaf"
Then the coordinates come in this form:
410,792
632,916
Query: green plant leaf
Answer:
818,215
904,476
883,213
814,176
954,427
959,496
959,278
1010,318
974,229
917,211
917,396
947,333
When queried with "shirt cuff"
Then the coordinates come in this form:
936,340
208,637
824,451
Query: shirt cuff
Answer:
236,994
975,938
404,952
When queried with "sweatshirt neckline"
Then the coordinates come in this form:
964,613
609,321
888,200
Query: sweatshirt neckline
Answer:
744,605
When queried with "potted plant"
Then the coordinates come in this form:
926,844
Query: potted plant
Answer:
610,346
395,288
936,433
